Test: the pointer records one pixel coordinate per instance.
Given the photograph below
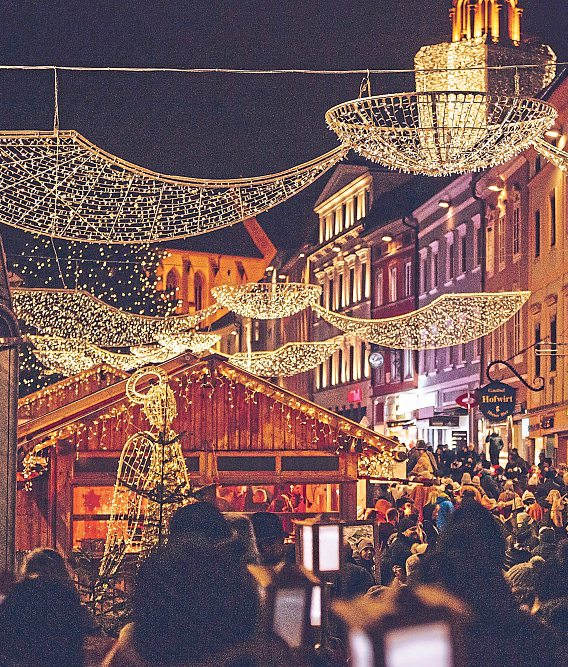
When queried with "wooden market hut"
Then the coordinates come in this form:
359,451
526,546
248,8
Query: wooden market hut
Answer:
237,429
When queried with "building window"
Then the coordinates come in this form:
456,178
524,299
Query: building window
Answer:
256,330
354,364
331,302
423,274
352,285
408,279
395,359
463,353
408,363
340,296
502,237
380,297
490,251
517,333
328,226
198,291
338,220
552,200
537,357
553,341
537,164
478,247
434,270
537,233
516,230
363,280
392,283
463,253
450,259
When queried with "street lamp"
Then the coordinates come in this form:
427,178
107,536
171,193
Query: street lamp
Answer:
292,602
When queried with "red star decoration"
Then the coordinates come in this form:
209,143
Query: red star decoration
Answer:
91,500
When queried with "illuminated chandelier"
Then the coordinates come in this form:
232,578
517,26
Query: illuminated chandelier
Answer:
440,133
78,314
558,157
61,185
267,301
290,359
68,356
451,319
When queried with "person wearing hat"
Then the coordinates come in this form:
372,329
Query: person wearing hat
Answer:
546,543
365,555
423,464
269,537
521,578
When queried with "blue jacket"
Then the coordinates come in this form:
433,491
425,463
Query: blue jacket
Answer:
445,509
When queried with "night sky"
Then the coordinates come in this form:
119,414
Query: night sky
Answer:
219,125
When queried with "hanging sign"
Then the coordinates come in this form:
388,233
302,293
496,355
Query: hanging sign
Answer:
467,400
497,401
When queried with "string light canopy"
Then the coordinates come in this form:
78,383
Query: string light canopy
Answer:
61,185
440,133
69,356
267,301
290,359
78,314
557,156
451,319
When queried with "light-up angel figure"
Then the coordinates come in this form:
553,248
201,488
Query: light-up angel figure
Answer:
152,479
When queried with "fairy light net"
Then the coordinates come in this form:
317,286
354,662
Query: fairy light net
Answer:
557,156
78,314
451,319
267,301
62,185
290,359
440,133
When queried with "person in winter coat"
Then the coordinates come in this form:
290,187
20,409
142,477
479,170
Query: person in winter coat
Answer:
488,484
495,446
546,543
444,510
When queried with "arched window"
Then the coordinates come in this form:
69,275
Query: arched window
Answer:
198,291
172,285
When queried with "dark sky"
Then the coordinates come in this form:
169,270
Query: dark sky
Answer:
218,125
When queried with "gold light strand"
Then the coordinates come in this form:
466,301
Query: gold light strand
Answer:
451,319
440,133
558,157
290,359
267,301
101,198
77,314
371,464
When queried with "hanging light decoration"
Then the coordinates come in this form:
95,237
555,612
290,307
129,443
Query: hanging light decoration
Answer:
290,359
267,301
451,319
69,356
60,184
77,314
557,156
440,133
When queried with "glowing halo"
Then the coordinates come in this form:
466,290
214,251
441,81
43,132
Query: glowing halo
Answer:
440,133
78,314
60,184
267,301
290,359
451,319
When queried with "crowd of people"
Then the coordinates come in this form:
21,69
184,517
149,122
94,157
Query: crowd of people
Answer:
494,539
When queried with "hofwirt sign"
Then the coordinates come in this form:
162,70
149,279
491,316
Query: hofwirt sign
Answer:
497,401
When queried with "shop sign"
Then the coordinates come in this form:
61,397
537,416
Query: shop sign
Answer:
376,360
497,401
354,396
445,420
467,400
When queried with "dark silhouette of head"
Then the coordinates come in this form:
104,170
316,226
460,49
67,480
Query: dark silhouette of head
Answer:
269,537
192,601
41,624
200,519
46,564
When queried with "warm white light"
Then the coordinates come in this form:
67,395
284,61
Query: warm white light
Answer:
386,238
451,319
98,197
553,133
495,188
329,548
444,203
267,301
336,248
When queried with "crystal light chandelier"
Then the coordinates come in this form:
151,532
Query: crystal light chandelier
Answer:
78,314
61,185
290,359
267,301
440,133
451,319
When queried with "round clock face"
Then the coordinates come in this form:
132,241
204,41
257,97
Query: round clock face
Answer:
376,359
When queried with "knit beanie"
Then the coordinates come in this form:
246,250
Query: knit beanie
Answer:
476,480
522,576
466,479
